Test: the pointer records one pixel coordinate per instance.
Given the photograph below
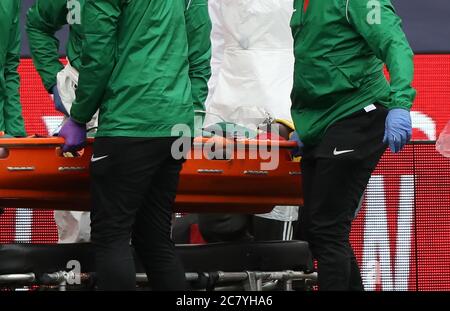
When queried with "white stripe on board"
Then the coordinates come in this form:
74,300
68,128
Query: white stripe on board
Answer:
284,230
24,219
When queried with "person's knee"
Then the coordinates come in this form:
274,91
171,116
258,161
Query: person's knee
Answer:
109,238
329,242
224,227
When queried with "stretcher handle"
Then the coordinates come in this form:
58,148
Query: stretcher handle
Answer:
284,144
58,141
31,141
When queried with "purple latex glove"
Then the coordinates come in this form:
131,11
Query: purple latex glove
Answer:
298,151
398,129
74,134
58,102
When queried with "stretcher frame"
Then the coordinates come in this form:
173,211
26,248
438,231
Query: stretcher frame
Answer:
247,281
35,175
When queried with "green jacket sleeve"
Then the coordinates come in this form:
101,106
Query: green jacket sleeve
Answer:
14,124
44,19
97,57
381,27
198,25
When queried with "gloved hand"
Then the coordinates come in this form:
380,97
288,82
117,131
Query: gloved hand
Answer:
298,151
74,134
3,151
4,135
398,129
58,102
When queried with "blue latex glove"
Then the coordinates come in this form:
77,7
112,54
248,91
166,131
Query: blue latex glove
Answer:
298,151
398,129
58,102
74,134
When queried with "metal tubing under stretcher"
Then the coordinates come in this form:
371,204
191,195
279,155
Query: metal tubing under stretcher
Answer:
242,276
222,277
253,279
17,278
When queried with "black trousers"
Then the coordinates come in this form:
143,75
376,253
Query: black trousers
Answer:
217,228
133,185
335,175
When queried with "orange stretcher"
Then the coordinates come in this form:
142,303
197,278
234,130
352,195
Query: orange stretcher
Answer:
34,174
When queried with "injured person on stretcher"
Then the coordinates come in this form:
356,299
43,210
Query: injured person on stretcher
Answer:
255,35
252,78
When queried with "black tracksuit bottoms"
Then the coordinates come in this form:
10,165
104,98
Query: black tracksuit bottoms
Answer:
335,175
133,186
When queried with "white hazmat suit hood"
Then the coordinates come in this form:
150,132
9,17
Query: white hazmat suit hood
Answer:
253,61
252,70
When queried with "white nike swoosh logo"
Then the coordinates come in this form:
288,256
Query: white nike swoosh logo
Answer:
93,159
336,152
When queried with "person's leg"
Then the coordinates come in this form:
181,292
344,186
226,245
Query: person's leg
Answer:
356,283
121,172
328,223
217,228
308,166
356,190
181,228
152,229
265,229
337,183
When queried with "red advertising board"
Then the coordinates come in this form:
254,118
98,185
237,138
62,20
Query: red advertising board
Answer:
401,236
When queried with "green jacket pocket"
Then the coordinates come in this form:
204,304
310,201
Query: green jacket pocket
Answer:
317,80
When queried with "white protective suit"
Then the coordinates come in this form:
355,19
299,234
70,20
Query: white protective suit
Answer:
443,142
252,69
252,61
73,227
67,82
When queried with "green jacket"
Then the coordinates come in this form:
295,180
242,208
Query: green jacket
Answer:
46,17
340,47
11,120
137,65
199,26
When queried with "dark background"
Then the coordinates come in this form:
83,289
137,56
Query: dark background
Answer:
426,23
